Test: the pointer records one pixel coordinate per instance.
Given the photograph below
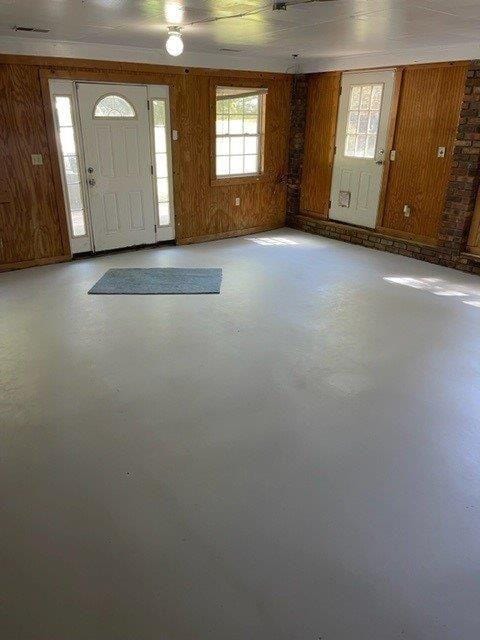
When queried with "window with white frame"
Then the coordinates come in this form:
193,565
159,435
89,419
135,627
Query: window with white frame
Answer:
71,172
239,130
365,102
161,161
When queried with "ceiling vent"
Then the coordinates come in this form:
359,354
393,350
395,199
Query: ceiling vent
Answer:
31,29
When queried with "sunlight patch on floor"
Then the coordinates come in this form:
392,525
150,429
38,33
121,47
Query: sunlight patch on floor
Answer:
439,287
272,241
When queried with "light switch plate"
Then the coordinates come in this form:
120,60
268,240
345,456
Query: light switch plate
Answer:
37,158
174,135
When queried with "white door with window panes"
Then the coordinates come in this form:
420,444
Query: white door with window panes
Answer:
116,141
360,152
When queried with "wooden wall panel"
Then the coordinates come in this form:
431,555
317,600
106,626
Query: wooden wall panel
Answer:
427,118
32,218
29,225
322,109
209,209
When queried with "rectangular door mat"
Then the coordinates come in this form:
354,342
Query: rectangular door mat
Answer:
158,281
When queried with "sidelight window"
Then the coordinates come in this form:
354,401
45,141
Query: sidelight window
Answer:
69,152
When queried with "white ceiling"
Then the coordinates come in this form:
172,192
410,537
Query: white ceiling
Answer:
325,34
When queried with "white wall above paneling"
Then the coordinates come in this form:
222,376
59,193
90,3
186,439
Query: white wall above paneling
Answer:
332,34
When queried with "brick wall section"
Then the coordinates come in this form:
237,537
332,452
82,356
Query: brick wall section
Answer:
298,119
465,174
460,197
380,242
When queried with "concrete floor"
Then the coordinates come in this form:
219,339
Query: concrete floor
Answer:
294,459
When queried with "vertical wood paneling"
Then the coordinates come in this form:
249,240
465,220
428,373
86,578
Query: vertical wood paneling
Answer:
427,118
32,216
29,224
322,110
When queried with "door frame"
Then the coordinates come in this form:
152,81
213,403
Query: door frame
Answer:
53,86
389,137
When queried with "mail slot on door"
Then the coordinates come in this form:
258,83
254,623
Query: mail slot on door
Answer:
344,198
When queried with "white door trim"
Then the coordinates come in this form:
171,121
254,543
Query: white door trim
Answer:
61,87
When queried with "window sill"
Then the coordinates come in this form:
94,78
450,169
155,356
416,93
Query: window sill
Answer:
233,180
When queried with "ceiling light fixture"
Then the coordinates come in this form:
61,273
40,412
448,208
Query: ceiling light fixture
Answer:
174,44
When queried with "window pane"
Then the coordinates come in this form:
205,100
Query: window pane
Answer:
373,121
161,165
236,146
75,197
162,189
377,91
251,105
223,166
362,121
251,164
251,124
159,113
78,223
251,145
365,98
114,107
352,124
350,146
223,146
235,124
222,125
71,169
360,146
62,104
164,213
355,97
67,141
236,165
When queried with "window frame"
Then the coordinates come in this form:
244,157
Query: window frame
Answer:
63,88
114,118
247,177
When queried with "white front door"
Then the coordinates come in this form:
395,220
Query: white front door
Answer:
362,129
116,138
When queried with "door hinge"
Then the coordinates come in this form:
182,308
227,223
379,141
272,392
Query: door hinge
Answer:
341,89
334,149
151,169
148,105
155,228
329,205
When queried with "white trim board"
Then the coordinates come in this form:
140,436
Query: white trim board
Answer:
468,51
121,53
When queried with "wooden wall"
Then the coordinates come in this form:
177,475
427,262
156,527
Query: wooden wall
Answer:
427,117
322,108
32,216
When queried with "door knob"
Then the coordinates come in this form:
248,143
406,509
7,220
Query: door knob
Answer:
90,169
91,182
379,162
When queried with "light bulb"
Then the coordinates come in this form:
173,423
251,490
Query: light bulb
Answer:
174,44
